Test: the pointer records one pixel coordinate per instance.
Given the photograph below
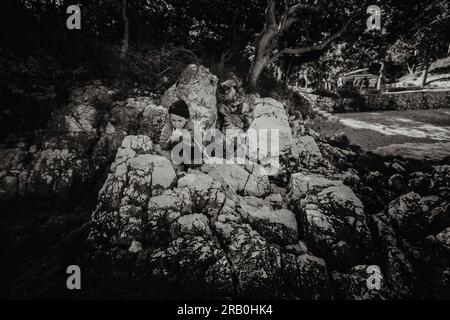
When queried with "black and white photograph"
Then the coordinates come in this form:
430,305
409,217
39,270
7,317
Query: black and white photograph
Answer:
247,151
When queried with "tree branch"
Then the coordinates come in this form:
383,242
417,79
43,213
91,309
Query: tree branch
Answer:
290,14
270,13
317,47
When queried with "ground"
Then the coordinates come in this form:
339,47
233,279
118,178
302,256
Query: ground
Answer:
413,133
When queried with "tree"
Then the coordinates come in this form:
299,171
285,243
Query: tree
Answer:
268,44
424,34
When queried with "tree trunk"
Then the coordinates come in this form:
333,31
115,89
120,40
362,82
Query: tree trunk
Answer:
287,74
126,34
423,81
268,39
380,77
256,69
306,79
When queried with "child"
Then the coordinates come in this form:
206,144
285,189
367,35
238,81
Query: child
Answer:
178,119
178,129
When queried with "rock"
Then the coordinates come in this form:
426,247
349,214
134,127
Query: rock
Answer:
307,156
298,248
305,276
408,215
373,201
384,230
196,264
398,168
197,87
397,183
314,277
164,210
340,200
256,263
340,140
349,177
133,116
246,179
278,226
332,218
135,177
204,191
352,285
55,169
153,120
340,158
441,176
301,184
270,124
443,238
399,272
441,286
192,224
275,200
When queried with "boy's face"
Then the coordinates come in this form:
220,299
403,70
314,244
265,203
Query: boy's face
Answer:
177,121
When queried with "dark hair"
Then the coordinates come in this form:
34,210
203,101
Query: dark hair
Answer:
180,108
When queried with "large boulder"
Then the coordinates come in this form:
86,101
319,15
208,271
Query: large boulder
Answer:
197,87
332,218
277,226
136,175
307,156
206,193
408,215
193,264
271,127
261,267
306,276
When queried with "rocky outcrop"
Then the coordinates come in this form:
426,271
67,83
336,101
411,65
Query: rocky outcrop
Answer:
62,160
193,236
81,139
216,230
223,230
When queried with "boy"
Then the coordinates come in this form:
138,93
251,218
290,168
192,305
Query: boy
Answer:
178,119
178,129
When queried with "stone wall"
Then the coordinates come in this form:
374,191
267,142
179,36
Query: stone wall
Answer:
409,100
405,100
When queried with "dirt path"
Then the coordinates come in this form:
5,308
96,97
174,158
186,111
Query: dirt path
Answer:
418,134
